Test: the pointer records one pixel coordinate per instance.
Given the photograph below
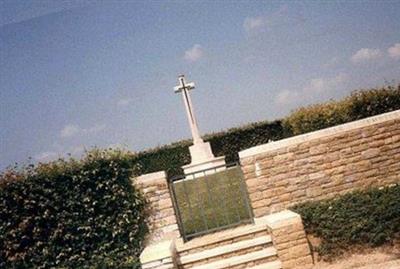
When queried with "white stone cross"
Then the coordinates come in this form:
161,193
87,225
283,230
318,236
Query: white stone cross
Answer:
200,152
185,88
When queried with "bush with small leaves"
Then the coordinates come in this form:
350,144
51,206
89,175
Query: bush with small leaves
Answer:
363,218
72,214
359,105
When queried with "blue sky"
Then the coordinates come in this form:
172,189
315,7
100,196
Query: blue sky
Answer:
78,74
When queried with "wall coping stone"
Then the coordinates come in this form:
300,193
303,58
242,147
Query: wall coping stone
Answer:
151,177
158,251
279,220
335,130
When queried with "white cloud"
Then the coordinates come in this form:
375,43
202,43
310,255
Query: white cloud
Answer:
315,87
364,55
193,54
320,85
71,130
279,17
394,51
252,23
124,101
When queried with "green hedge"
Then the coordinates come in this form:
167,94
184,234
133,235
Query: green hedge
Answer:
72,214
170,158
85,213
358,105
363,218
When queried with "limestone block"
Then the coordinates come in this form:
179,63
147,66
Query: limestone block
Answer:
289,239
314,192
165,203
253,182
370,153
279,220
395,138
159,255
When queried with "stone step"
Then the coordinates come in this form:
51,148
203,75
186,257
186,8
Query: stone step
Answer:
236,260
219,237
269,265
222,250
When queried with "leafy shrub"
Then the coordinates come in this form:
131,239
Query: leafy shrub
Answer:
319,116
375,101
368,218
72,214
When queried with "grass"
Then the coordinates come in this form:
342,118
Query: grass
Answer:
212,201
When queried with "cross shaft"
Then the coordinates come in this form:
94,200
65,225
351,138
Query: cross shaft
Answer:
185,88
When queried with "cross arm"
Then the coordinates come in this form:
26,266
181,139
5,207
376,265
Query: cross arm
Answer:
188,86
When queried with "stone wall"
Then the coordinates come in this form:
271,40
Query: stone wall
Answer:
162,219
289,239
323,164
274,241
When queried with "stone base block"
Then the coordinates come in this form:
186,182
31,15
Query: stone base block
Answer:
160,255
210,163
289,239
201,152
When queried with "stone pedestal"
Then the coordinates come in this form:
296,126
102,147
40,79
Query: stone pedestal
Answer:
289,239
203,158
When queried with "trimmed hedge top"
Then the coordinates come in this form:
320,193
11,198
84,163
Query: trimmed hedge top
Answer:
70,214
359,105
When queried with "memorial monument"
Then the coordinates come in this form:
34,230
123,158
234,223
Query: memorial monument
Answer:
200,152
